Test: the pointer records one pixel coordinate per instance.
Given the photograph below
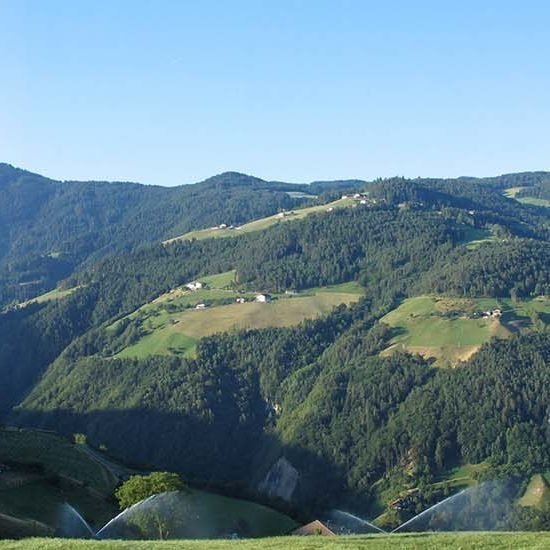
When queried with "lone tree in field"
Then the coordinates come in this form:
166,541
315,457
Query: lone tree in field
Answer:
137,488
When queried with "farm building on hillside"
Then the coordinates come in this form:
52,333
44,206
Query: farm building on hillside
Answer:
263,298
314,528
194,285
200,306
495,313
285,214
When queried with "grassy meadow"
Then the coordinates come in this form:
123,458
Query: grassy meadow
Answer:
443,327
474,237
55,294
416,541
172,325
59,456
263,223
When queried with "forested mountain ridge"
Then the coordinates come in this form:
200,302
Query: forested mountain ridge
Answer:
48,227
316,398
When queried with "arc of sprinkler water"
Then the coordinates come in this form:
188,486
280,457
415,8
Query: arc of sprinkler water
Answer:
82,521
430,509
361,520
123,513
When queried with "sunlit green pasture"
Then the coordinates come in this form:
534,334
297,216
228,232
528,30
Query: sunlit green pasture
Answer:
263,223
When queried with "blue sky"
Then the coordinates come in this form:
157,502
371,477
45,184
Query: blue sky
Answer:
171,92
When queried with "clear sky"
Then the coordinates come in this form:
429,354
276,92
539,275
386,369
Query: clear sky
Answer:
171,92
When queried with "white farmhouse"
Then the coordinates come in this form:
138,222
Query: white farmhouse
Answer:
194,285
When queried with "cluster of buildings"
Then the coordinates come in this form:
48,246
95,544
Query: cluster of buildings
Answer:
489,314
194,286
361,198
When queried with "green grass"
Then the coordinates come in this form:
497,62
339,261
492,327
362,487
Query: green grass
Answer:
161,342
173,326
537,492
417,541
221,280
440,327
55,294
474,237
263,223
203,515
461,476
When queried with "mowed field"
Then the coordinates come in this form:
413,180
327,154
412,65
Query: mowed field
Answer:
263,223
443,328
172,325
416,541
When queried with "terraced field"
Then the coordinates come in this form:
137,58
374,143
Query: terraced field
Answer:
449,330
263,223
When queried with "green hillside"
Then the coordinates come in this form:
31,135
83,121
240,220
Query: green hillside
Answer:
55,226
263,223
453,329
310,408
537,493
60,456
45,471
528,195
171,324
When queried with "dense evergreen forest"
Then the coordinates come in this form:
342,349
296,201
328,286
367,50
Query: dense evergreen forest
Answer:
318,394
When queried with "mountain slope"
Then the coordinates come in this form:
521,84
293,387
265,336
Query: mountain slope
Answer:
274,410
51,227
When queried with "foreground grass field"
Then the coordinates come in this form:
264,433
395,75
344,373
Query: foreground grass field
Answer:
420,541
259,225
171,325
444,328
